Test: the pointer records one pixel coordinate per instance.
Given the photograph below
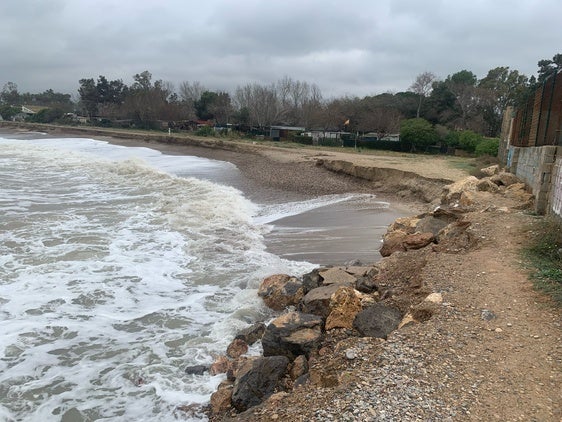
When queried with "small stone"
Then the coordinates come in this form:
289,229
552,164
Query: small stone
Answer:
509,324
487,315
498,330
350,354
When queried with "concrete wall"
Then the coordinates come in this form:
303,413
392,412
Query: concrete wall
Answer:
556,191
540,169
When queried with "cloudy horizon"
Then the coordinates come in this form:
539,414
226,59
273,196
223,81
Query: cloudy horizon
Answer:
354,48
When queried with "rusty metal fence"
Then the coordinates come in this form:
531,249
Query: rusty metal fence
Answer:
539,121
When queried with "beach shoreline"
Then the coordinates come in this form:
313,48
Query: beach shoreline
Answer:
330,235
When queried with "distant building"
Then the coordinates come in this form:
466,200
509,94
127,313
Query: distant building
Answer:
278,133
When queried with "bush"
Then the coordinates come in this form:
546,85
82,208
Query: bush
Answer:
469,140
417,134
205,131
47,115
488,146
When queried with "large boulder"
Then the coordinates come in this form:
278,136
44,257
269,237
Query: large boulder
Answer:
505,179
236,348
453,192
491,170
345,304
280,290
317,301
312,280
378,321
400,241
292,334
221,400
252,333
336,276
456,237
257,380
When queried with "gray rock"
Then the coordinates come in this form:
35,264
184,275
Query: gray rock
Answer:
378,321
292,334
487,315
280,290
257,380
251,334
197,369
312,280
366,284
317,301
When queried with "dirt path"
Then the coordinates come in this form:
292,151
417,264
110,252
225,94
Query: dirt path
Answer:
500,340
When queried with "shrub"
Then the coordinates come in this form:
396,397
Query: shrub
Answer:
469,140
417,134
205,131
488,146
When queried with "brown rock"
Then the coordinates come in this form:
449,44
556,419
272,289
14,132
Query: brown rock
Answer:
392,242
292,334
252,333
220,366
358,271
467,199
236,348
405,224
345,304
486,185
505,179
518,191
280,290
452,192
299,367
417,240
455,237
257,380
221,400
317,301
491,170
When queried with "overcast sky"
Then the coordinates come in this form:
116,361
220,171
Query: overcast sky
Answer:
351,47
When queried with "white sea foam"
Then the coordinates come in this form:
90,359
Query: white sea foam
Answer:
271,213
116,274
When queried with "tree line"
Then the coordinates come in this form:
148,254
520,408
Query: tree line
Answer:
460,101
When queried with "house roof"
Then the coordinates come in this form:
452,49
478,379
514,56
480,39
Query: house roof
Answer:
288,128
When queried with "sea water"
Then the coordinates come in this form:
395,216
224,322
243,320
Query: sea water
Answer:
120,267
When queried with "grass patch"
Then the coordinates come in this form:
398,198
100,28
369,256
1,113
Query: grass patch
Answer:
544,254
472,166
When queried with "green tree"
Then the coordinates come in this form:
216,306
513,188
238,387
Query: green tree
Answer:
463,86
204,107
417,134
440,106
8,111
89,96
549,67
500,88
47,115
